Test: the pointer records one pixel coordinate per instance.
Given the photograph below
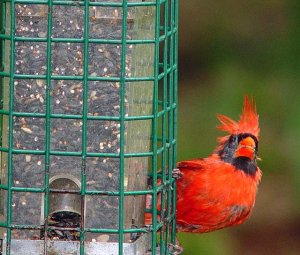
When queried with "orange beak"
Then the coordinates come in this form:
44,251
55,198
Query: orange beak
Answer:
246,148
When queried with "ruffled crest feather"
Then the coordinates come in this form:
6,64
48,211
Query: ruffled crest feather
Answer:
248,122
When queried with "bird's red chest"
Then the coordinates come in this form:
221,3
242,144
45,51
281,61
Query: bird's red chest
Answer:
229,185
215,196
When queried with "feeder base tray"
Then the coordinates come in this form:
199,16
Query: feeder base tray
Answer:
22,247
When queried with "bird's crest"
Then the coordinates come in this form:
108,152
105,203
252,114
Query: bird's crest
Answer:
248,122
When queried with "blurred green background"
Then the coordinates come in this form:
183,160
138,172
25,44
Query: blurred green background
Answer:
229,48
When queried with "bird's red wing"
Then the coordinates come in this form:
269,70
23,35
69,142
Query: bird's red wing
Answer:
190,164
190,171
233,215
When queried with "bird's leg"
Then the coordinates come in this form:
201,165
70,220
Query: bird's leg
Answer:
175,249
176,173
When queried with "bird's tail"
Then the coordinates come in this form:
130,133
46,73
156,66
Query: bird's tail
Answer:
149,207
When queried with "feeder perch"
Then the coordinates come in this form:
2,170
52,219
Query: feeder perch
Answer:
64,201
88,126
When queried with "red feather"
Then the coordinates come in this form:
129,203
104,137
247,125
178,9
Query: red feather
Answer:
248,123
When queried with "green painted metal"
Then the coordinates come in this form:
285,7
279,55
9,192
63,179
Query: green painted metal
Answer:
163,120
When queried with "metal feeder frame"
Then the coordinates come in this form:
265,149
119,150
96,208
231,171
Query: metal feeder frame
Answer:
153,239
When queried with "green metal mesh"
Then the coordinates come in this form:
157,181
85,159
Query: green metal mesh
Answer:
88,97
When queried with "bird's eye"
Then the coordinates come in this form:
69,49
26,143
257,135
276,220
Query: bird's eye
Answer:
233,139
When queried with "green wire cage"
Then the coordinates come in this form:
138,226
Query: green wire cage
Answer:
88,126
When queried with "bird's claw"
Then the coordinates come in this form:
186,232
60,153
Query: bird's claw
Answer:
175,249
176,173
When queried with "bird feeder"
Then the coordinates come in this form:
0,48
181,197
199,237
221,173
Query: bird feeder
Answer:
88,126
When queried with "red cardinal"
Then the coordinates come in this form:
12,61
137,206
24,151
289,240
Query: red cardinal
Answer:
219,191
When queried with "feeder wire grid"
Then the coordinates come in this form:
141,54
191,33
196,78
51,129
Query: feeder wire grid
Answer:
59,59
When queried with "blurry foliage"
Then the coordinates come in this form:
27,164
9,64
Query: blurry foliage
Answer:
229,48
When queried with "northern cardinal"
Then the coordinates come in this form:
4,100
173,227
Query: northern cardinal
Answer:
219,191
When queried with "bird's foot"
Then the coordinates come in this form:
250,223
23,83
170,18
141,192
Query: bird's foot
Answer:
176,173
175,249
